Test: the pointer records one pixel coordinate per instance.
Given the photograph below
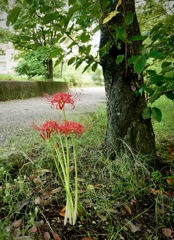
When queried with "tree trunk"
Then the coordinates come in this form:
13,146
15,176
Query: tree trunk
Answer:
49,67
125,126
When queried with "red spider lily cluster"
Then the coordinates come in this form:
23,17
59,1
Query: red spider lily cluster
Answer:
67,127
50,127
60,99
48,132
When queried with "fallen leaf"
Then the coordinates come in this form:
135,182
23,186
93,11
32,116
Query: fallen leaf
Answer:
37,200
17,223
167,232
20,205
47,236
160,211
81,180
37,180
43,171
155,192
56,190
33,229
55,235
62,212
168,193
133,201
133,227
169,180
90,187
127,208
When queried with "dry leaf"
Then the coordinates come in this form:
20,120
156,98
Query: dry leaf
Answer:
20,205
56,190
47,236
169,181
37,200
43,171
90,187
17,223
127,208
37,180
133,201
168,193
62,212
33,229
133,227
167,232
160,211
55,235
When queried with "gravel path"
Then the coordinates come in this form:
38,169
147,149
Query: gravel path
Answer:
16,116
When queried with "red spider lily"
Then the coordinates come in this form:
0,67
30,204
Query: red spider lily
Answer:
47,129
71,127
60,99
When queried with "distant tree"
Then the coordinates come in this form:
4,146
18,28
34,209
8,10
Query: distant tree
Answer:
34,36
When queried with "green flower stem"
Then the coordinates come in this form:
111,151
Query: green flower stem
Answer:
64,114
76,181
56,163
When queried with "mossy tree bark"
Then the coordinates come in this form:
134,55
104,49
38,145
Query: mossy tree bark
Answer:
125,127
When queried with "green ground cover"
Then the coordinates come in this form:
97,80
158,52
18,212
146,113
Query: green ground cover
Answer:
124,199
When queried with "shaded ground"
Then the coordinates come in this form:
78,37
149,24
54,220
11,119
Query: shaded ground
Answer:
16,116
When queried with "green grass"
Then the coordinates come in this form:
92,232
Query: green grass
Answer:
164,130
123,199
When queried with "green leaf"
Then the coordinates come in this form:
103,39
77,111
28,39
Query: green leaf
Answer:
29,1
156,55
84,37
129,18
138,38
58,60
96,29
13,15
55,53
120,33
154,97
132,60
49,18
147,112
78,63
87,66
156,37
104,50
157,79
151,72
71,61
71,2
157,114
119,59
170,95
110,16
141,90
140,64
94,67
165,64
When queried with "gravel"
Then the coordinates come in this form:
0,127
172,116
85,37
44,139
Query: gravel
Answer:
17,116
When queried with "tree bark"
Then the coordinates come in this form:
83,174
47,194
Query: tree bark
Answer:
126,129
49,67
